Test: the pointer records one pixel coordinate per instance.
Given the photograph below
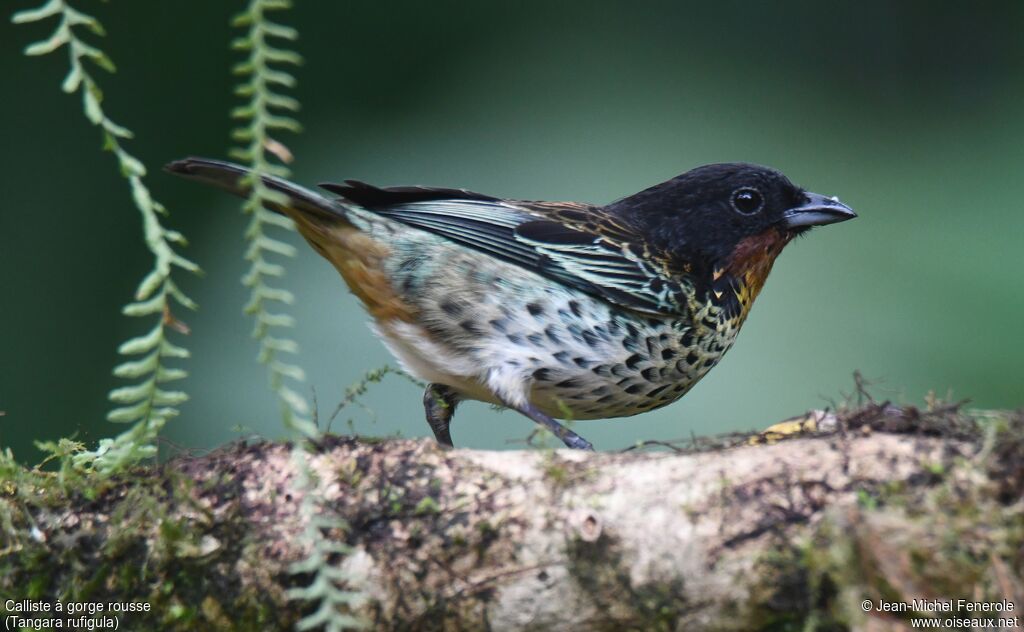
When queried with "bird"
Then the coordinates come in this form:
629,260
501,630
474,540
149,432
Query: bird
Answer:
558,310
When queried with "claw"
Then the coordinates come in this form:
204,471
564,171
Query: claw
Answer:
576,442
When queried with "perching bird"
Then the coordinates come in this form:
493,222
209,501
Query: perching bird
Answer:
555,309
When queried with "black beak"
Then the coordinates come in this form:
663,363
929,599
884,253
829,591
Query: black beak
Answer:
817,210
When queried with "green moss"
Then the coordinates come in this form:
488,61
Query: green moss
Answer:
563,473
600,572
427,506
122,544
937,535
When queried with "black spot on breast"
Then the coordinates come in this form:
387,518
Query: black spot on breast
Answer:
569,383
542,375
620,370
692,358
451,308
634,360
650,374
602,370
516,339
605,399
687,339
535,339
549,331
562,356
632,330
613,328
472,327
574,306
499,324
633,389
590,338
535,309
600,390
583,363
667,354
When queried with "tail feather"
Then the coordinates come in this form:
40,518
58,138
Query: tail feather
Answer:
231,178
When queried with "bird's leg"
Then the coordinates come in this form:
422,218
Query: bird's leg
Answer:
568,437
439,401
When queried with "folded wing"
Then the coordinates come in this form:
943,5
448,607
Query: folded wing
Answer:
561,241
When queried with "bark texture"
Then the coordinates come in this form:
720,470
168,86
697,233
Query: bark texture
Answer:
746,535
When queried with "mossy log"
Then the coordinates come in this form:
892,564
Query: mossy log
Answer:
888,505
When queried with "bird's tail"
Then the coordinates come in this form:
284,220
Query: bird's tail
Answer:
325,223
235,179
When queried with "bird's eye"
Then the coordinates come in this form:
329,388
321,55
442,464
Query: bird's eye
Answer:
747,201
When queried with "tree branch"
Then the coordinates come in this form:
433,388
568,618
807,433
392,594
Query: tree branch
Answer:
739,537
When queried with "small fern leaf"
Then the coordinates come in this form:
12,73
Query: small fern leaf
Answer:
143,343
169,350
289,370
138,368
51,8
153,305
135,393
59,38
128,414
73,79
169,398
167,374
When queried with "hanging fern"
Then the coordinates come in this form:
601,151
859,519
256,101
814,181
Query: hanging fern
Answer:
328,586
147,403
261,117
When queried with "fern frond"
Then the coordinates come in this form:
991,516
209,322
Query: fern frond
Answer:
260,117
144,403
324,560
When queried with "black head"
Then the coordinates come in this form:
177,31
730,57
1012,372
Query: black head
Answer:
702,215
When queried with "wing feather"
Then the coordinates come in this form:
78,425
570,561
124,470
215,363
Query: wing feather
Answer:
536,238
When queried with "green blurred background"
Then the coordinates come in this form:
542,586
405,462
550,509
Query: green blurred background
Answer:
911,112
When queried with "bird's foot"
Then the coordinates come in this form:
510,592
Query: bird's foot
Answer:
568,437
439,402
